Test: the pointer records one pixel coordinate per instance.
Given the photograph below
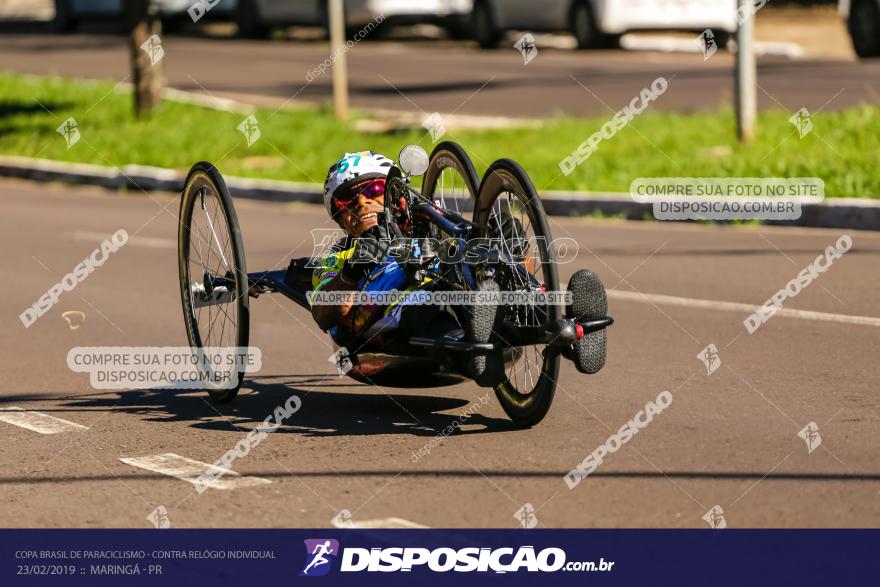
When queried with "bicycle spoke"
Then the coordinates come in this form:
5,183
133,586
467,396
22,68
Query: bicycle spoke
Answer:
214,233
211,254
510,216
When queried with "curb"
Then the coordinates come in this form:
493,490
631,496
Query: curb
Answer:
146,178
851,213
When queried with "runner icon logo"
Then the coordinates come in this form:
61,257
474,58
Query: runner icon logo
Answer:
435,125
342,519
526,46
153,48
810,435
70,131
320,553
159,517
710,358
707,44
250,128
715,518
802,122
342,360
526,516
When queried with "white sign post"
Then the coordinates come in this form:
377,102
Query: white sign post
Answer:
746,72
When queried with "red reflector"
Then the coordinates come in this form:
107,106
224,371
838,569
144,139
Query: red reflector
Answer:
543,288
579,330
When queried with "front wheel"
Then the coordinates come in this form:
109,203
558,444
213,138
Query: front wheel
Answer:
213,280
589,302
451,178
509,213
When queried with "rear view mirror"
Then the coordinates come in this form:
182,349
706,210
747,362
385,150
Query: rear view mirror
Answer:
413,160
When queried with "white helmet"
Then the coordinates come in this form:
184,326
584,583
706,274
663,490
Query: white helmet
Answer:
352,169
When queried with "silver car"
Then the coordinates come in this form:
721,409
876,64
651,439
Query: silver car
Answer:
257,17
597,23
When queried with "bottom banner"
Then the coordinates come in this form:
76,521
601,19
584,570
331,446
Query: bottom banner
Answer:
606,557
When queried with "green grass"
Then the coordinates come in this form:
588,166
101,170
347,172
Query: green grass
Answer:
299,145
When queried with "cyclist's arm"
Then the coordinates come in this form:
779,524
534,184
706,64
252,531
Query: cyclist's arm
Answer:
328,316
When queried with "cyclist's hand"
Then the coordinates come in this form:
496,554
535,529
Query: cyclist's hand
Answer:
370,249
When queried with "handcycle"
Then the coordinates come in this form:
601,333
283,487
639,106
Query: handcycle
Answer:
504,248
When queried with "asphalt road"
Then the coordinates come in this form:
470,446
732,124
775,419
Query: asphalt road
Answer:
728,439
452,77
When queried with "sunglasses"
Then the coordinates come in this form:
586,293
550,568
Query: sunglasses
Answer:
371,189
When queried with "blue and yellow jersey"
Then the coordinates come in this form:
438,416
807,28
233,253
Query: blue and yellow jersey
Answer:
385,277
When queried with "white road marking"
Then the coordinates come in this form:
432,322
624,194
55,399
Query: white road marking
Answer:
666,44
385,523
136,240
189,470
38,422
632,296
670,44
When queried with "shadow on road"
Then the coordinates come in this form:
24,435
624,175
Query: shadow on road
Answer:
693,252
323,412
433,473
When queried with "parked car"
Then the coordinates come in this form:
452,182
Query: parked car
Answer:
257,17
600,23
863,21
70,13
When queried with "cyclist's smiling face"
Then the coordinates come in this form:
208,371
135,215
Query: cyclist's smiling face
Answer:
361,213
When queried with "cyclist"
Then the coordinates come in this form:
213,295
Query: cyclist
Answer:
354,195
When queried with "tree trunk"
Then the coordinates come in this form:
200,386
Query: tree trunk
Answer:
147,53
